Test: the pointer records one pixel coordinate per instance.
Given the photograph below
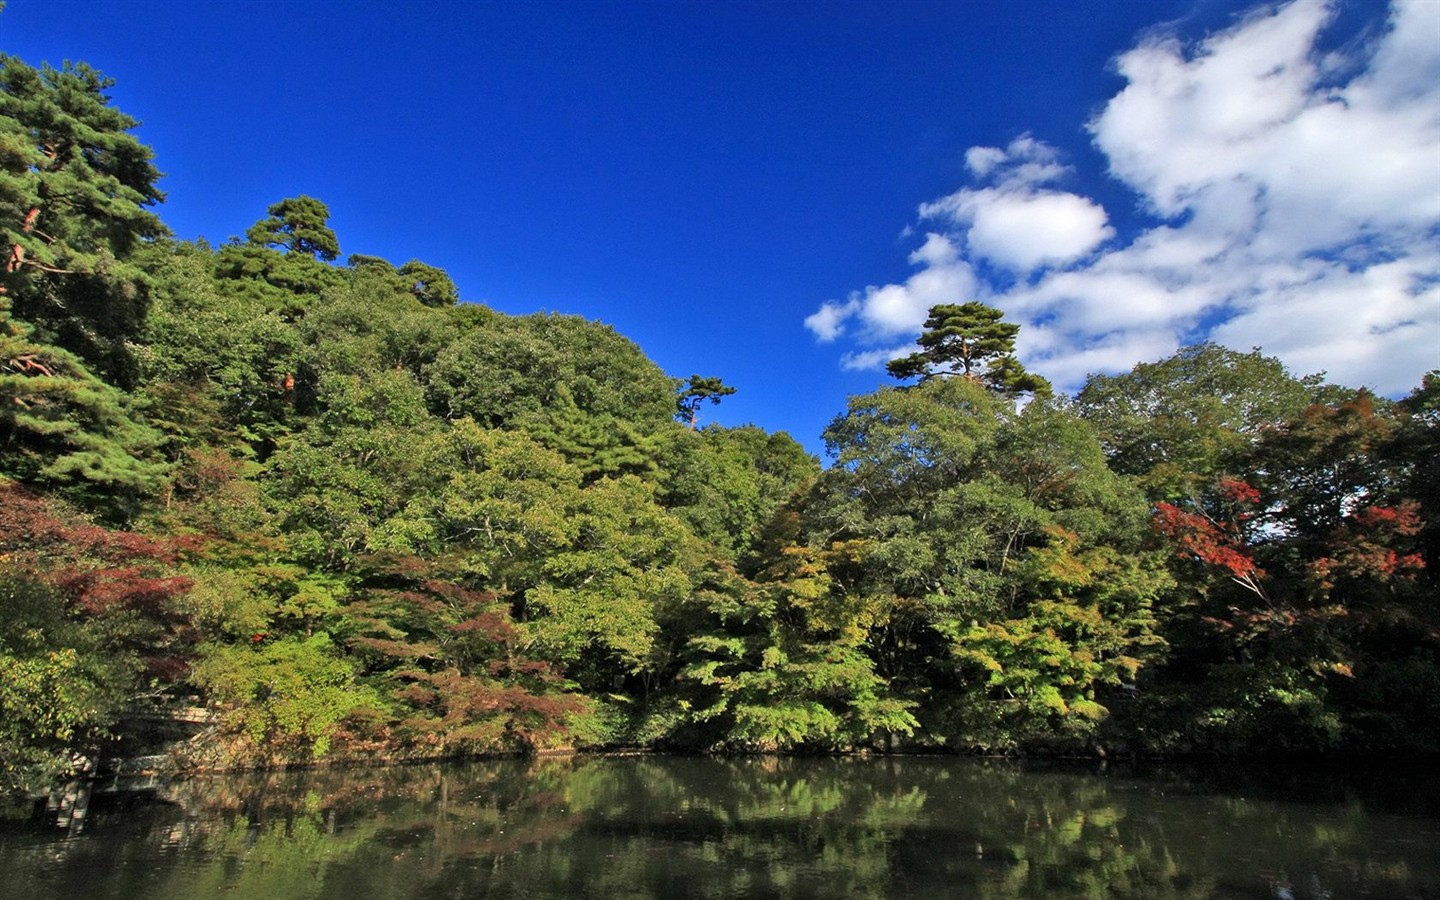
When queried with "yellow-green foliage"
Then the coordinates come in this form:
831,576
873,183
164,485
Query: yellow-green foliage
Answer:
288,695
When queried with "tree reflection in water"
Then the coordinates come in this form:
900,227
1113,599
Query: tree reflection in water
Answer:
663,827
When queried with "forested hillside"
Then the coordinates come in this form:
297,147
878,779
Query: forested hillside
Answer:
356,516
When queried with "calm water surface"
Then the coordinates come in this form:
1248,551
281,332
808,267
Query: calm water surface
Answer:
642,827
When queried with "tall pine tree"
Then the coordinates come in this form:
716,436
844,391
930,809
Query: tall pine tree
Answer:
969,340
74,187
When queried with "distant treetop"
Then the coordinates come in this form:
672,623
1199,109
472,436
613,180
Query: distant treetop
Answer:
971,341
297,225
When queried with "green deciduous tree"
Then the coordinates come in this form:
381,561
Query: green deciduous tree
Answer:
502,369
783,663
1086,633
60,690
954,520
336,485
599,601
287,697
726,483
1189,419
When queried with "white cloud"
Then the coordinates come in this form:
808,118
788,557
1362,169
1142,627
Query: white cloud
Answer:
899,309
828,322
1379,326
938,250
1024,232
981,161
873,359
1161,132
1296,196
1019,223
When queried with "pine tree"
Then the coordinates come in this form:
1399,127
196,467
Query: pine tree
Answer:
74,184
63,427
693,393
74,187
970,340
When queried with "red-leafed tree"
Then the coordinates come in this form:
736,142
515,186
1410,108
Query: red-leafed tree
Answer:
455,660
88,627
1374,545
1217,537
1307,620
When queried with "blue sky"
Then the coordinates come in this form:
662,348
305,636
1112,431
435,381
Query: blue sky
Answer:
776,192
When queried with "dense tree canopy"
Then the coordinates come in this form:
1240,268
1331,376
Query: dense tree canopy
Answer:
356,516
1193,415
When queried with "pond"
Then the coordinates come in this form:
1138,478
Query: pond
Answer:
669,827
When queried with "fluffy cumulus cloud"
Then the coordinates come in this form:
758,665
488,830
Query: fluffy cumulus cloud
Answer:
1017,223
1294,202
879,314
